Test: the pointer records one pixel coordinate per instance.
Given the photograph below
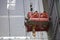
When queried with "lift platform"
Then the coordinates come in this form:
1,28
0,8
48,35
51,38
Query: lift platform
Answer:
40,21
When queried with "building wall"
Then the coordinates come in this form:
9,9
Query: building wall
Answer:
12,21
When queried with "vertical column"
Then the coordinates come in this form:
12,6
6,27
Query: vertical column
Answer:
4,25
41,6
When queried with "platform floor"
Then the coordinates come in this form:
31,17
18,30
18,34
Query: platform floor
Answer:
39,36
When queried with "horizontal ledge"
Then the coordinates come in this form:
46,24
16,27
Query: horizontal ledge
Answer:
11,16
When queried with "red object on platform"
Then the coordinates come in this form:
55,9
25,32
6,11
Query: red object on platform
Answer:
29,14
38,17
37,28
